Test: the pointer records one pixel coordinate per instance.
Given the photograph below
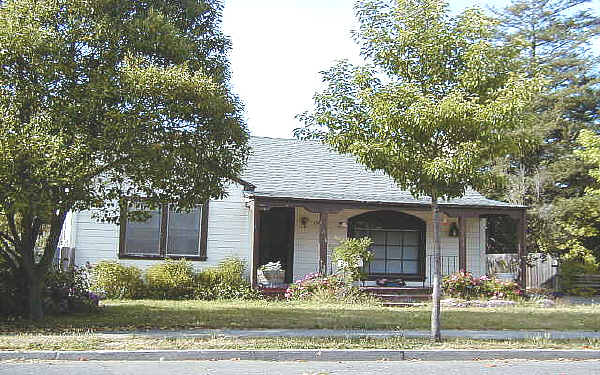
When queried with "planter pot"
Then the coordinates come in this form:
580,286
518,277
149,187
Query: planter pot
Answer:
271,279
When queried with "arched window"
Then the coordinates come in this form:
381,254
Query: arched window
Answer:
398,242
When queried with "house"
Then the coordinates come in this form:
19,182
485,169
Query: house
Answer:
294,203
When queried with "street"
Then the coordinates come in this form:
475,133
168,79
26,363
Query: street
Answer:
513,367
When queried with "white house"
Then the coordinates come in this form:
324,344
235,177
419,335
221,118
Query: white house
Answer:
295,202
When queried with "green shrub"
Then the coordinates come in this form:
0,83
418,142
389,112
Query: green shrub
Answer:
573,267
114,280
171,279
225,281
352,254
327,289
69,291
12,295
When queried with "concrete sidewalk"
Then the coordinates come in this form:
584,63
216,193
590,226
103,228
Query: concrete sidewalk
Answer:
300,355
480,335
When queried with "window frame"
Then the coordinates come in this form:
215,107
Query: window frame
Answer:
203,237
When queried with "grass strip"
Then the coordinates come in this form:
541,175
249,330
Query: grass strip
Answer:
150,314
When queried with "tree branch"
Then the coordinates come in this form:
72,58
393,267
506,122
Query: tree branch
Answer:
56,224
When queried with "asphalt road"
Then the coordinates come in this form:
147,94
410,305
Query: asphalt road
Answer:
513,367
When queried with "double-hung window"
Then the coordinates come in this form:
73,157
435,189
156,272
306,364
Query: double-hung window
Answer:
166,233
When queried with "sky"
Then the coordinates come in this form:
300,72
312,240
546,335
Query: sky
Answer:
279,48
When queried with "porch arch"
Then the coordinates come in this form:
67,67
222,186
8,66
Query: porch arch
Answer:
398,243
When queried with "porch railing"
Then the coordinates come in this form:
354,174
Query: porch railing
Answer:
449,266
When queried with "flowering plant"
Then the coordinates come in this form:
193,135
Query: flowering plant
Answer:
463,284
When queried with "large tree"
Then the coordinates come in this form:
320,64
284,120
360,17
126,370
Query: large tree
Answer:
438,101
102,100
554,40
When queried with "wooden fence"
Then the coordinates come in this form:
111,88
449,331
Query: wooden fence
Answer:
541,271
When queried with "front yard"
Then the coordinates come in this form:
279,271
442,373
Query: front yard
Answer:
235,314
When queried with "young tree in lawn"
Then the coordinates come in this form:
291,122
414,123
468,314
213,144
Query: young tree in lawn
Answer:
106,99
438,102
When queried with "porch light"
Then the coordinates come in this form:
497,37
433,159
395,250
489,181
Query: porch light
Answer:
453,232
343,224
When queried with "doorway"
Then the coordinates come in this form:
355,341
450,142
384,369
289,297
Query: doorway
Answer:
276,241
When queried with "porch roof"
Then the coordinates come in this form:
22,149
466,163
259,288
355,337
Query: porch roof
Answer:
310,170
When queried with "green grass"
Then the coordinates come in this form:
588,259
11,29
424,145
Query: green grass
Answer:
149,314
97,342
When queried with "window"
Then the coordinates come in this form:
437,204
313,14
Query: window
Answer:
167,233
398,242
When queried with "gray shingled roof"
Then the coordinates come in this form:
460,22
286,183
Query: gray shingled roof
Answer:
288,168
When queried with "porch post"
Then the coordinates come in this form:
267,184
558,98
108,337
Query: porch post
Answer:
462,243
521,233
323,242
255,245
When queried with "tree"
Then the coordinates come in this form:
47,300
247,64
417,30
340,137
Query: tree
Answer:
104,102
437,102
553,37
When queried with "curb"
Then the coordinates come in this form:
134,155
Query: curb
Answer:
300,355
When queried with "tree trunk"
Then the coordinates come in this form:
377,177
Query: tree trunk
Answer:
34,297
437,272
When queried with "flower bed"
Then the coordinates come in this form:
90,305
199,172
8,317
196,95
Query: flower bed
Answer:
463,285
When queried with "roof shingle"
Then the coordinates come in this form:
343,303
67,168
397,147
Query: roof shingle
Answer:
289,168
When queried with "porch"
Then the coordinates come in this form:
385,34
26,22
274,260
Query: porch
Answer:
302,234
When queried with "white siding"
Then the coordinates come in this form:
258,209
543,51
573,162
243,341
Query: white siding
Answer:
228,234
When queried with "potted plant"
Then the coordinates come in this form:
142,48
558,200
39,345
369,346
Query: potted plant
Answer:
271,275
352,255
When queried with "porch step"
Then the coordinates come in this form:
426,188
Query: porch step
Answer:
399,296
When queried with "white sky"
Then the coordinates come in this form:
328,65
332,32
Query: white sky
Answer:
279,48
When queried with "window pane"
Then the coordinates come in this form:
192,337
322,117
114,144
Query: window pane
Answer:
378,252
361,234
377,266
143,237
394,252
411,253
394,266
183,232
410,267
411,239
394,238
378,237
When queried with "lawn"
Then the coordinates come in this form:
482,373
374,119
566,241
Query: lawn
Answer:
149,314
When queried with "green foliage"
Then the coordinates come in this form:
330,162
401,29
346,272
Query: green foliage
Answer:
225,281
68,291
327,289
106,99
351,255
574,266
114,280
171,279
439,102
553,39
464,285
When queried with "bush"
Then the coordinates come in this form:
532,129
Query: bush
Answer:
352,254
573,267
224,282
69,292
333,288
12,293
172,279
114,280
464,285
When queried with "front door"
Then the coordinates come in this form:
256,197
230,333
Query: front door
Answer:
276,241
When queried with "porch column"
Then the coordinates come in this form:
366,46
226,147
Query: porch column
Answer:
255,244
462,243
521,233
323,242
